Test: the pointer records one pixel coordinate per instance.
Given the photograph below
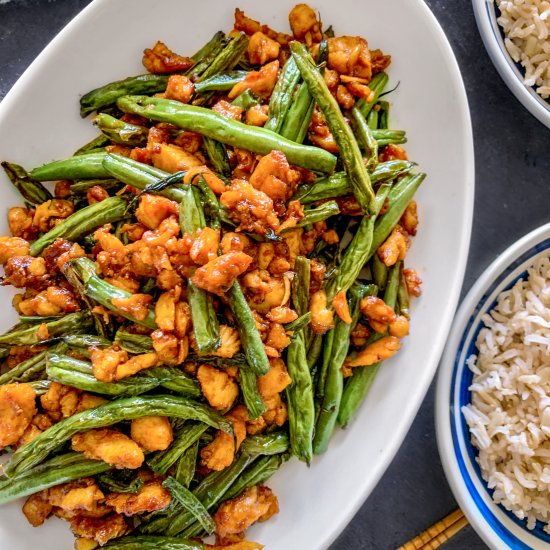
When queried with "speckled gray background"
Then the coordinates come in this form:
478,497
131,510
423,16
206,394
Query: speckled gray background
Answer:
512,183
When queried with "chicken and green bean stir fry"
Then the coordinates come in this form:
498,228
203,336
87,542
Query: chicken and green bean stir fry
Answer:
206,289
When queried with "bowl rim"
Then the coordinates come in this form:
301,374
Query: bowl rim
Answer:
485,15
492,277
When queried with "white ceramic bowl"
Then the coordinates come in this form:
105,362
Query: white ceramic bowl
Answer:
486,16
39,122
498,528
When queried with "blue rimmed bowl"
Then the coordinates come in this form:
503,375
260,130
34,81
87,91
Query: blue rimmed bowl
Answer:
496,526
486,14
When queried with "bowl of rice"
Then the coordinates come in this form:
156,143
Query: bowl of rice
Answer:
493,399
516,34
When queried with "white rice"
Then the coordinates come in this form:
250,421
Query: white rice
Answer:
509,416
526,26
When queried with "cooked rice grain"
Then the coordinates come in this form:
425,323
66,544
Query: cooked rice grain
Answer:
509,416
526,25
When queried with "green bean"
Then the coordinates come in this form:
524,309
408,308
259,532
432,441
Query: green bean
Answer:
121,132
60,469
27,370
314,215
82,222
185,467
372,121
82,342
226,60
365,137
190,503
251,340
298,118
76,373
217,153
206,54
259,472
382,195
337,184
131,542
383,121
385,223
27,456
376,85
108,94
209,492
73,323
349,150
355,256
403,296
265,444
299,323
103,292
211,204
120,481
314,350
251,395
34,319
358,385
379,272
175,380
205,323
80,187
299,395
134,343
300,286
247,99
94,146
220,82
137,174
40,387
32,191
281,97
231,132
87,166
162,461
331,380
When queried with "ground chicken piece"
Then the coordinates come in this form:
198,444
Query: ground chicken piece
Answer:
217,386
320,134
409,219
377,312
277,412
89,401
228,110
251,208
304,24
274,176
17,408
188,141
350,55
261,49
85,544
170,348
59,253
277,337
236,242
161,60
394,248
109,445
81,495
152,433
219,274
340,304
60,401
322,318
359,335
153,209
135,364
413,282
99,529
48,213
266,291
53,301
257,115
357,89
13,246
241,545
20,223
179,88
275,381
243,163
205,246
96,194
392,152
151,497
344,97
400,327
219,454
250,26
231,342
37,508
266,253
30,433
256,503
260,82
136,306
172,158
375,352
282,314
26,271
165,311
105,362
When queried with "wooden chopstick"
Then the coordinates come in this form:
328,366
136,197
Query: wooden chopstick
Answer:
437,534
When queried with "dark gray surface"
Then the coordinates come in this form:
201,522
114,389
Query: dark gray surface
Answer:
512,164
